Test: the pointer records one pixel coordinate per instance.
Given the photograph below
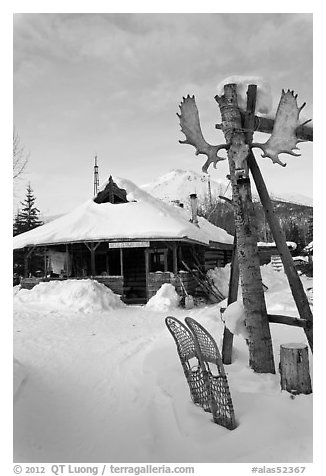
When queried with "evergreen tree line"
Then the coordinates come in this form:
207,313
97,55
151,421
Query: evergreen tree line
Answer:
27,218
28,215
295,220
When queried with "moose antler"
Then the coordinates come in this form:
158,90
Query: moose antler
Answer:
283,138
190,126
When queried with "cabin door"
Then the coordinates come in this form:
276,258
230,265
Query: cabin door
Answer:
134,273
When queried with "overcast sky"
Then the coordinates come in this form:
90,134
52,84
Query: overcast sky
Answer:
110,84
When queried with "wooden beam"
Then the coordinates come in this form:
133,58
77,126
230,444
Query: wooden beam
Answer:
26,260
45,261
266,124
226,200
121,261
93,268
67,261
92,248
295,283
165,260
288,320
175,259
232,297
146,251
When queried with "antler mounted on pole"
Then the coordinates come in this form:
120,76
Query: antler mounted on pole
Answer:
190,126
283,138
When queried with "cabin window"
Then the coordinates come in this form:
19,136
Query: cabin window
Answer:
158,261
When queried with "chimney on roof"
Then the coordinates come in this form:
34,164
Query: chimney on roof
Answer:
194,205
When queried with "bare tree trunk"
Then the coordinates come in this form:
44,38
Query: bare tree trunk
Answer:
261,357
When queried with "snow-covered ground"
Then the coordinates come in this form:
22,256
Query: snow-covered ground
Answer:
98,381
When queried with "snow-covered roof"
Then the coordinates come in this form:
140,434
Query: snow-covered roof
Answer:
290,244
143,217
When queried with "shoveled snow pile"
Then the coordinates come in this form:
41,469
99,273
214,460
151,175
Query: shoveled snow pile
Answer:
220,277
16,289
234,317
264,94
165,299
85,295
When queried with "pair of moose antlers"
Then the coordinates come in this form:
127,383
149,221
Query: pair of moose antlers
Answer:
282,140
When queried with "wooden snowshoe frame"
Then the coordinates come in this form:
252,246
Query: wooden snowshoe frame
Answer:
206,379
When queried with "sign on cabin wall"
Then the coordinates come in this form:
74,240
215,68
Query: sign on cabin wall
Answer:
130,244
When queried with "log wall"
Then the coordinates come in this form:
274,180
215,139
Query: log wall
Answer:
115,283
217,258
155,281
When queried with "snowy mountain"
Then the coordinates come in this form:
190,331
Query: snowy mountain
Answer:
297,199
179,184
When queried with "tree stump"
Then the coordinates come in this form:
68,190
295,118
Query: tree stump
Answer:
294,368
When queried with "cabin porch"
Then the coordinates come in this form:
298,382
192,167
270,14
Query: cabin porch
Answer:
134,270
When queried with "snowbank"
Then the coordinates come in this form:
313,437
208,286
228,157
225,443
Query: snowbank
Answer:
264,94
84,295
165,299
273,279
16,289
220,278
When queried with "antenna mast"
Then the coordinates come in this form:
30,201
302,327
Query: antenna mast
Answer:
96,179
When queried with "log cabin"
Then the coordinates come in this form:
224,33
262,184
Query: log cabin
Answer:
128,240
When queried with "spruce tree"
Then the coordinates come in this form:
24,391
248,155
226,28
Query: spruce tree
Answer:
17,228
28,217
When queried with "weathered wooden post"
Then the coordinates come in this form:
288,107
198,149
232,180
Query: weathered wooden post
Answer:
232,297
261,357
27,261
294,368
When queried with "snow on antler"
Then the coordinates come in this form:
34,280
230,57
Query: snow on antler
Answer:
283,138
190,126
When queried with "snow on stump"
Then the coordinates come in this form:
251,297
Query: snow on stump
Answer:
294,368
